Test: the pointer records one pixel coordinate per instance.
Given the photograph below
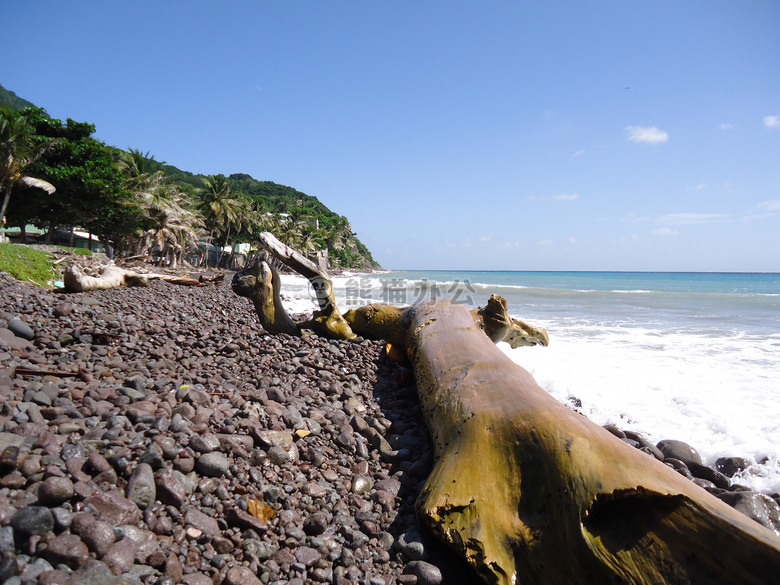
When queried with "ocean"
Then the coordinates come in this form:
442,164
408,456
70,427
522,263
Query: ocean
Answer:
687,356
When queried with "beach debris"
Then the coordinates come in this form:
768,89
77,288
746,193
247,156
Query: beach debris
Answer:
519,477
260,283
111,276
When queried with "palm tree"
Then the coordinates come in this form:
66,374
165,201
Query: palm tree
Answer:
171,225
242,220
219,207
308,239
17,152
142,180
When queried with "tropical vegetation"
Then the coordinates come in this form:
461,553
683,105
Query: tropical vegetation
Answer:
55,175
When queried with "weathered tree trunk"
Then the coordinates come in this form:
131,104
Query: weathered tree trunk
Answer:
111,276
528,491
328,321
261,284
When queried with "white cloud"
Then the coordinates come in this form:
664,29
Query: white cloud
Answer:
772,121
727,126
559,197
665,231
765,209
692,218
634,218
650,135
579,153
771,205
700,186
546,243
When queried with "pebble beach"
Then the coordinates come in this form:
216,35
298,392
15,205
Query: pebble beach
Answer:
158,435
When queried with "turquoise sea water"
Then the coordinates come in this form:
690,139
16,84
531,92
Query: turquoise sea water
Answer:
689,356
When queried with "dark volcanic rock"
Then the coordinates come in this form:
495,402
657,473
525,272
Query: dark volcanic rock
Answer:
759,507
679,450
33,520
730,466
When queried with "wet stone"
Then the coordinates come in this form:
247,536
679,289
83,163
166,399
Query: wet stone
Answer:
759,507
730,466
679,450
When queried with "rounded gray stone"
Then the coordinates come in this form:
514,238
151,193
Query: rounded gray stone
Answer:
213,464
21,329
141,488
33,520
426,573
679,450
278,455
55,490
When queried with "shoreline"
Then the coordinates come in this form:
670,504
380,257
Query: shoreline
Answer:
175,415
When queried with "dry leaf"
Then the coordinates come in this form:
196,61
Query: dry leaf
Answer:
260,510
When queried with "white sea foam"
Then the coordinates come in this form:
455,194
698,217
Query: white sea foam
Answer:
699,367
711,393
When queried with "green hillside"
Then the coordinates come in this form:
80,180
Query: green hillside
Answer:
9,99
141,204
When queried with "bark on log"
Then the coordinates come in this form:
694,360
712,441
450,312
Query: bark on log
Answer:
529,491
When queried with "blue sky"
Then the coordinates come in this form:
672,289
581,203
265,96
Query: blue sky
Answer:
522,135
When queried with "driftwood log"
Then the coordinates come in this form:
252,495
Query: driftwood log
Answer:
260,283
111,276
523,488
529,491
